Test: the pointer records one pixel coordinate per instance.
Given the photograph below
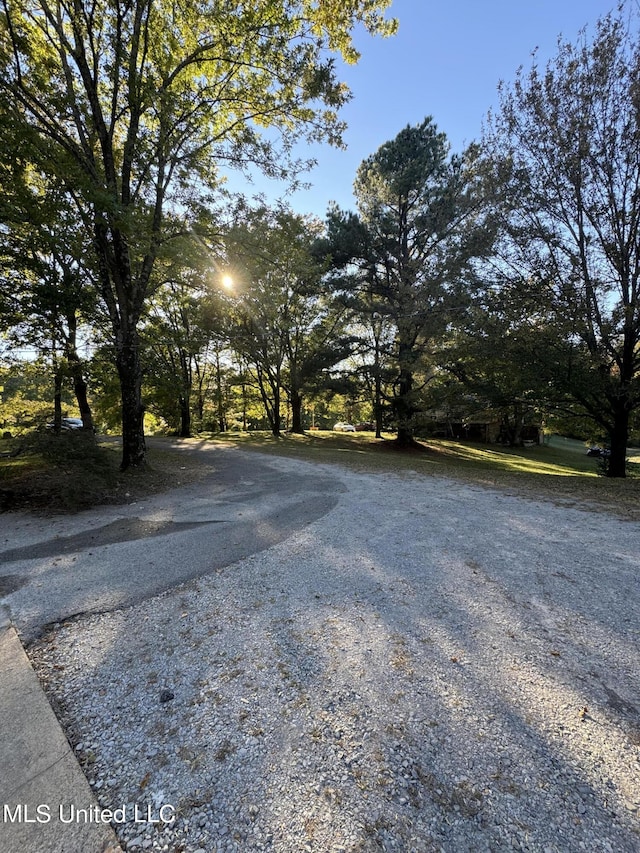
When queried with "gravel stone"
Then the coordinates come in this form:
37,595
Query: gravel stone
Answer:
432,666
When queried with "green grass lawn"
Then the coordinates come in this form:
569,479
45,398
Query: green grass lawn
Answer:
551,461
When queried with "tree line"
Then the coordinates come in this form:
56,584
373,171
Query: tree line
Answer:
503,278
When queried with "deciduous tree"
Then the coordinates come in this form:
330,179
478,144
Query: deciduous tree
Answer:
45,276
567,138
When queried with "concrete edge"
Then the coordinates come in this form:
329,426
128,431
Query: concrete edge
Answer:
40,778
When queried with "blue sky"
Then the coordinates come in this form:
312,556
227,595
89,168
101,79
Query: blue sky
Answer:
446,61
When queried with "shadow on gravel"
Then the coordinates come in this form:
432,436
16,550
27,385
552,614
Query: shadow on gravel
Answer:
382,692
121,530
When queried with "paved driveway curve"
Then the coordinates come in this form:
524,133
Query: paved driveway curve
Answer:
55,568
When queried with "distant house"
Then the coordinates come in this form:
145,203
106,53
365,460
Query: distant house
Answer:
486,425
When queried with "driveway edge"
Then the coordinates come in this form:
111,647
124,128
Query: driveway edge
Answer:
41,783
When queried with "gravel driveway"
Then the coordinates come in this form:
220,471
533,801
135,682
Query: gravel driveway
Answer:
430,666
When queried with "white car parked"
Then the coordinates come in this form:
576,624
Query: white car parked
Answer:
340,427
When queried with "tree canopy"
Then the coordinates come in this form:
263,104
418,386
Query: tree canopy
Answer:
283,320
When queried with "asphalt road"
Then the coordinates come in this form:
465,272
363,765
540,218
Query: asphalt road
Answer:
52,569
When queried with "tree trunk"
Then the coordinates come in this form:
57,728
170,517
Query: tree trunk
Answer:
57,399
377,408
244,407
185,417
619,435
275,415
403,402
296,412
75,369
403,398
80,390
222,421
271,405
130,375
404,408
124,300
518,423
184,399
377,401
404,437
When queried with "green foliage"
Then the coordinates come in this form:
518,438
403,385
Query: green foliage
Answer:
114,125
565,146
106,400
412,171
26,403
176,333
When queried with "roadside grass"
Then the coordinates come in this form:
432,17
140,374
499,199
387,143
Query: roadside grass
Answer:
62,472
70,472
